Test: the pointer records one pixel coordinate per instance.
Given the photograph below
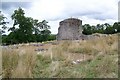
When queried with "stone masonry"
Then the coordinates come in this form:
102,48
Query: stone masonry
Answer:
70,29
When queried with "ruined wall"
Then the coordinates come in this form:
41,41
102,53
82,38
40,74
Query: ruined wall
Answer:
69,29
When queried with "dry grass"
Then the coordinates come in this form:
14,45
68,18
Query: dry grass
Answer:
99,59
18,63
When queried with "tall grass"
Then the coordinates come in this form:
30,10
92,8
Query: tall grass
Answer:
0,62
16,64
100,60
104,51
9,62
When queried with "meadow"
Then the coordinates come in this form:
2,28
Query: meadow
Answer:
94,58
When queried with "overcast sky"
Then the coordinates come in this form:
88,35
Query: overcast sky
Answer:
89,11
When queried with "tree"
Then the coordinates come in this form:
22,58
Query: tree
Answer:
116,26
100,28
109,30
87,29
2,23
41,31
25,27
45,34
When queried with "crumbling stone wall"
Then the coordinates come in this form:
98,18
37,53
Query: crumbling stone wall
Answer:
70,29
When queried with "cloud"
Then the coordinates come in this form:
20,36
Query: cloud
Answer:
47,9
59,9
93,21
97,9
9,5
89,11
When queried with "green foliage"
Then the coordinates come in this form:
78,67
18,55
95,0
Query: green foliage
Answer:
109,30
52,37
4,39
101,28
87,29
26,29
116,26
2,23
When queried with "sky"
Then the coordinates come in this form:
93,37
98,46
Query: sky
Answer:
89,11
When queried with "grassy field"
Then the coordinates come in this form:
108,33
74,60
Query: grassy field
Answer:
95,58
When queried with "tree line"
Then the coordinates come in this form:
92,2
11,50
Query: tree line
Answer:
101,28
25,29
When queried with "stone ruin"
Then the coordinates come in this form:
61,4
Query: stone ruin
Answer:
70,29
